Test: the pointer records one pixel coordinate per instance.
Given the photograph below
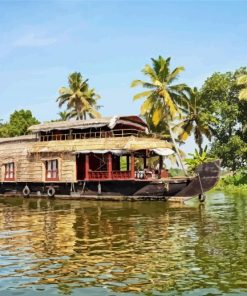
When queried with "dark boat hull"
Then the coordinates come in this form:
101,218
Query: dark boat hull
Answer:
208,175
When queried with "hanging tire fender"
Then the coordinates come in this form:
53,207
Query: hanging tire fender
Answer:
26,191
51,192
202,197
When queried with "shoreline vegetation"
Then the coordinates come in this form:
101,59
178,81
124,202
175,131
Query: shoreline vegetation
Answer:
233,182
216,112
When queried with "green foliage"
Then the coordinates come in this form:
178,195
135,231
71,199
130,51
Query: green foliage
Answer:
220,94
174,172
233,152
195,119
63,116
197,158
234,183
171,108
18,124
242,81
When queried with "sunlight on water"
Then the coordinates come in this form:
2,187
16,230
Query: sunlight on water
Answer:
106,248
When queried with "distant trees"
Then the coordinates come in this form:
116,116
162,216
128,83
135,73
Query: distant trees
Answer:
18,124
80,100
173,110
217,111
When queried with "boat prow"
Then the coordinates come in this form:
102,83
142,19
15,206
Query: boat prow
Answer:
207,175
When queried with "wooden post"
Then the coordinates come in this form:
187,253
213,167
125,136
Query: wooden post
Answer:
132,166
144,161
161,162
87,166
128,162
109,165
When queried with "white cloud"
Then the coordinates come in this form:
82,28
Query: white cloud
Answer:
32,40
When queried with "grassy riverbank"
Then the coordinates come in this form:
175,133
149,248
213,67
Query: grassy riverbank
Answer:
233,183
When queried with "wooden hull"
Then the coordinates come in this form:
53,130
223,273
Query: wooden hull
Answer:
208,175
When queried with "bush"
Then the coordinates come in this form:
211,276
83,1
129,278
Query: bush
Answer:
234,183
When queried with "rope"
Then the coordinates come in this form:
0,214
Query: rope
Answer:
200,182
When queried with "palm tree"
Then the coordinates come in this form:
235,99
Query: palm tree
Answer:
163,98
196,121
80,99
242,81
63,115
91,109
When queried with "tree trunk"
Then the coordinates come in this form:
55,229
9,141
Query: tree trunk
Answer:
176,148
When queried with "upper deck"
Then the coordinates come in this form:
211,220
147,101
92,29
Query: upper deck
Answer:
107,127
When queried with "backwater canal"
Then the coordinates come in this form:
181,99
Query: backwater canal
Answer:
56,247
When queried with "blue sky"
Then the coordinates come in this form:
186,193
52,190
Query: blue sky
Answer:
109,42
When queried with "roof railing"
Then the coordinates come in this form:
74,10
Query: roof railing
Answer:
88,135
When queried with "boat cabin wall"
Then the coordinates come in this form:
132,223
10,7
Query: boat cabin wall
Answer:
18,165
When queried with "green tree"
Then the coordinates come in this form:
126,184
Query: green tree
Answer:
80,100
18,124
220,97
163,99
233,152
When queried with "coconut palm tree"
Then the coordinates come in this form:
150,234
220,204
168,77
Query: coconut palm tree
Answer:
242,81
63,115
82,111
80,99
163,98
195,121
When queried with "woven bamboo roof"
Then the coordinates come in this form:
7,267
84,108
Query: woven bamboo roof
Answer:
18,139
126,143
83,124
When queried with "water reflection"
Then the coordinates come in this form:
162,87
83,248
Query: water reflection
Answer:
107,248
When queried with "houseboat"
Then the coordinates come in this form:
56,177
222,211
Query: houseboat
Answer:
104,158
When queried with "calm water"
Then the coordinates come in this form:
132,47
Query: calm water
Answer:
52,247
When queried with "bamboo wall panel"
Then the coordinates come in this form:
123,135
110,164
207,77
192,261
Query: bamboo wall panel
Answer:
31,167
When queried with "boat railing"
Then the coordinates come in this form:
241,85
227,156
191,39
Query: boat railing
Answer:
121,175
88,135
114,175
97,175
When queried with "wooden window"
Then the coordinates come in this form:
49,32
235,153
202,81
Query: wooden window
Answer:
9,171
51,170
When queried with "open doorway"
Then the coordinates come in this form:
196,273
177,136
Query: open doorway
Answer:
80,166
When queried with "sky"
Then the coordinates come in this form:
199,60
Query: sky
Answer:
109,42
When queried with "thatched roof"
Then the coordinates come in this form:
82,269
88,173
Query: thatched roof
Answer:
18,139
126,143
83,124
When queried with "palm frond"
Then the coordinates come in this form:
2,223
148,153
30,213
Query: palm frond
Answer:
141,95
147,105
149,71
158,115
175,73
